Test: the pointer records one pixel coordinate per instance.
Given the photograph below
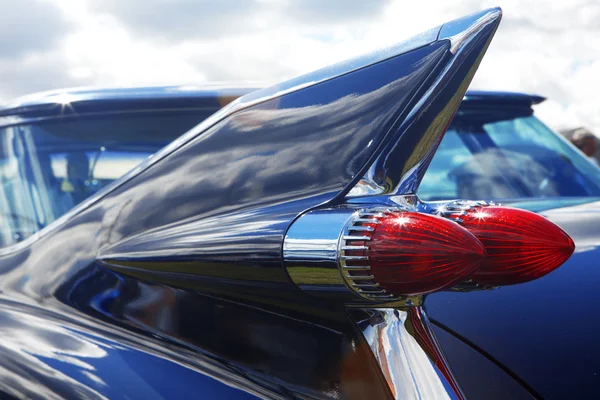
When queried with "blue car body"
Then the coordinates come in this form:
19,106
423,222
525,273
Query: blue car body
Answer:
168,282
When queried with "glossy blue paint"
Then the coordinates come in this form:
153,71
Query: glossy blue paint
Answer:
94,100
70,100
261,348
64,105
504,98
543,328
479,374
253,172
539,205
230,188
183,254
253,166
501,104
402,162
48,355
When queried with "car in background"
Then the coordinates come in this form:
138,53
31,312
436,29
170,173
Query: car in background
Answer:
176,242
496,149
60,147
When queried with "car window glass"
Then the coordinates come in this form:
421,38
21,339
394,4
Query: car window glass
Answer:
437,182
521,131
104,165
507,159
48,168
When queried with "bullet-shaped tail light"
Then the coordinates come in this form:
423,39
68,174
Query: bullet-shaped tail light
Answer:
521,246
380,254
407,253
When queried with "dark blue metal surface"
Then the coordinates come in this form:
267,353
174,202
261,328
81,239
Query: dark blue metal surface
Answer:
64,105
403,161
218,203
265,349
75,101
478,104
50,355
123,272
480,377
543,331
254,173
504,98
70,102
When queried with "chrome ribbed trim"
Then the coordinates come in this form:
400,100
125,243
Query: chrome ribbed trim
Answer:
372,221
354,237
354,248
354,258
455,209
405,348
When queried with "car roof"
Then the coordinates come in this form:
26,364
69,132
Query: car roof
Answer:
79,101
106,99
507,97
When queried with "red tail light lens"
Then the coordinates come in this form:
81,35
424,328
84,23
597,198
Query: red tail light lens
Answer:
521,245
409,253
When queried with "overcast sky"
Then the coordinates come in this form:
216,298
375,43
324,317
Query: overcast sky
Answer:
547,47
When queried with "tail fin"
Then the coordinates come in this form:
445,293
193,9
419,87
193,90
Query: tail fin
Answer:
403,159
223,196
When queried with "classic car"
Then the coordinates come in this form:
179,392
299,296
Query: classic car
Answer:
299,241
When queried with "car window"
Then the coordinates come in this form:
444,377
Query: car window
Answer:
519,131
104,165
48,168
450,155
520,157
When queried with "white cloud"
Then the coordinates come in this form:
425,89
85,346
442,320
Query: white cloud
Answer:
551,49
30,32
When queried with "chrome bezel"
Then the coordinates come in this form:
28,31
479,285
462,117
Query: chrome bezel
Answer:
316,248
405,348
311,253
455,209
366,286
315,254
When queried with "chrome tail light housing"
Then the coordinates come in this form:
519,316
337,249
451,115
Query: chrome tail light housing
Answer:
378,254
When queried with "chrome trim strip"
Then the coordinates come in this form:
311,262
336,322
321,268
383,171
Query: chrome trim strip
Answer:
454,209
309,249
354,257
366,285
405,348
354,248
355,278
403,162
357,268
362,228
320,257
457,34
311,252
351,237
366,220
369,214
359,283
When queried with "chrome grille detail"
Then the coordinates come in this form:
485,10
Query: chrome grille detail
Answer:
455,209
354,258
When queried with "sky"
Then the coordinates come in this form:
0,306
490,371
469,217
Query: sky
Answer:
551,47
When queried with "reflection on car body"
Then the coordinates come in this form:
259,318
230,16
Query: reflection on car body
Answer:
495,149
196,272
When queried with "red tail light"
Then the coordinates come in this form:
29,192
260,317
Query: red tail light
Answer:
521,245
407,253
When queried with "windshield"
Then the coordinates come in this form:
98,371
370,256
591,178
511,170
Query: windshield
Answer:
48,168
510,158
